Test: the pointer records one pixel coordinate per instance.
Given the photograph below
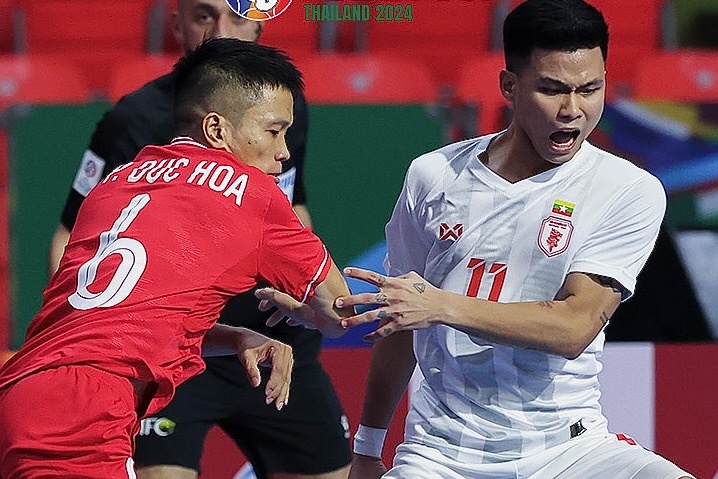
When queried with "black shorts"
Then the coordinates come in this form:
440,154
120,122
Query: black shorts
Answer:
310,435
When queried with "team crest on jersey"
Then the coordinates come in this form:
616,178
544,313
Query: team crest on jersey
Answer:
447,232
554,235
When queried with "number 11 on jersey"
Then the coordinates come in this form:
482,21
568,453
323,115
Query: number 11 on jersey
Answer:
496,271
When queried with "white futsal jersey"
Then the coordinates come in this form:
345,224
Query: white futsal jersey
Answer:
467,230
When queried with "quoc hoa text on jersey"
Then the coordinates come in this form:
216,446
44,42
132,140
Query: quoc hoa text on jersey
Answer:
217,177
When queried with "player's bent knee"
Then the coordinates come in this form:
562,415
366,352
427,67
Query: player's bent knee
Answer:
165,472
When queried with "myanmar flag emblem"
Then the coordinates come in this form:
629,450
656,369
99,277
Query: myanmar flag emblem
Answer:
563,208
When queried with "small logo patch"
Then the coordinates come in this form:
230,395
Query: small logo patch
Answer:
450,232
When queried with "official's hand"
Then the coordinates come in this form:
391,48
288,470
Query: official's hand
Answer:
254,350
405,302
296,313
366,467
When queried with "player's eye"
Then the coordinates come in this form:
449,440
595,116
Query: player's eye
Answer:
203,18
550,91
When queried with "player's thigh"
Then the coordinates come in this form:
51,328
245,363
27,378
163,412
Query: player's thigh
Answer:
175,436
166,472
419,461
309,436
65,422
611,455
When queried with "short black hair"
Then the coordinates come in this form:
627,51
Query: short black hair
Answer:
227,75
555,25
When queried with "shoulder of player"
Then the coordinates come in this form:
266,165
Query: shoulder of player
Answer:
432,167
621,169
629,182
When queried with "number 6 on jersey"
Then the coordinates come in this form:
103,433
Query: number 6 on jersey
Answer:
125,278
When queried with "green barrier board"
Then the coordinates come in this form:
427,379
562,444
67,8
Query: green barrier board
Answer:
46,144
357,156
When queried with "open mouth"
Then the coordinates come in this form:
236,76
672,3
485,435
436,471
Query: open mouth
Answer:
564,140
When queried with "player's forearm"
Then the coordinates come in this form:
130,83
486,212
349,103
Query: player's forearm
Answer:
322,303
303,214
392,364
222,340
564,327
57,248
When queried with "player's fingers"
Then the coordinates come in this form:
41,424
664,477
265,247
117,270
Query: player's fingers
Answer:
299,322
381,332
363,318
275,318
277,389
265,305
369,276
360,299
277,298
251,367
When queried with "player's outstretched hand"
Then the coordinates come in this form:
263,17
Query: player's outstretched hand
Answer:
295,312
254,350
366,467
405,302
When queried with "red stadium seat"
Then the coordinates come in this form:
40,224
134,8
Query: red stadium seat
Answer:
291,32
131,74
366,78
478,84
40,79
442,33
90,33
678,75
6,36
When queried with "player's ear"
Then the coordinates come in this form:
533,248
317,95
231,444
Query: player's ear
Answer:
215,129
507,84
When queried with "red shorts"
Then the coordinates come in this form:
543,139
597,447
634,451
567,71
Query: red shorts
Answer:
71,421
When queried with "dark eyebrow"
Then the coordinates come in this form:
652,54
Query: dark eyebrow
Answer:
598,82
205,8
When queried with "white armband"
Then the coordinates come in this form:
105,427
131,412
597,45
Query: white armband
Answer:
369,441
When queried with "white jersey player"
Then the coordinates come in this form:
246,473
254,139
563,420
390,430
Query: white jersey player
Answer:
469,231
508,254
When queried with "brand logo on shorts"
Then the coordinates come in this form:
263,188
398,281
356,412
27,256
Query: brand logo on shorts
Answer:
258,9
160,426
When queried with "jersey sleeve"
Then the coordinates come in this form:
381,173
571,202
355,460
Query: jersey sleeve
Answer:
620,247
291,258
406,248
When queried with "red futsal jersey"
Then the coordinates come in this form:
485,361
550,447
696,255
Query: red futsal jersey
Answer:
158,249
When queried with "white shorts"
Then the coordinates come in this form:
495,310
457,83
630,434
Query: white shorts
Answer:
590,456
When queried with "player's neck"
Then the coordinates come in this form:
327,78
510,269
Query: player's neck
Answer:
512,156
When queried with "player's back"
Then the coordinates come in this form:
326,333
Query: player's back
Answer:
159,247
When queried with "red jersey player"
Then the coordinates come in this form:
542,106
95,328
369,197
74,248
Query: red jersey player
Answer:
182,229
